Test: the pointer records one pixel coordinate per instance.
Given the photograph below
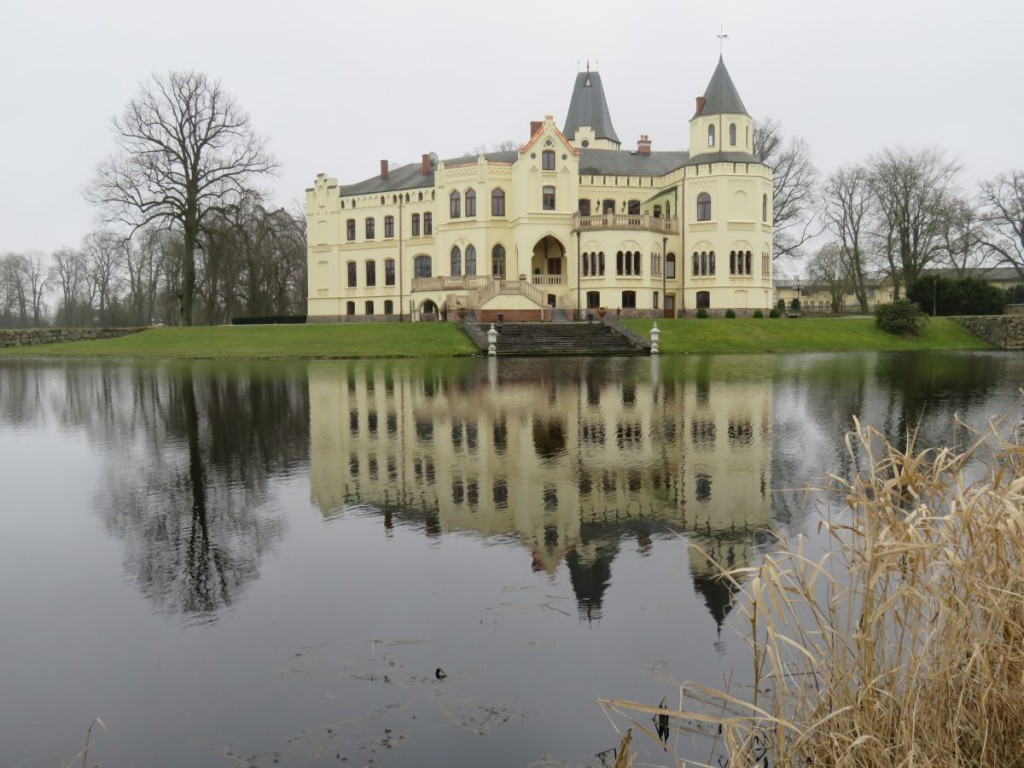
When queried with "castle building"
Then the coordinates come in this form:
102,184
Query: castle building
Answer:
569,222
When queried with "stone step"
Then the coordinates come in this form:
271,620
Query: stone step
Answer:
560,339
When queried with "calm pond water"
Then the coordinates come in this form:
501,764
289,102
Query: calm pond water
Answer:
259,564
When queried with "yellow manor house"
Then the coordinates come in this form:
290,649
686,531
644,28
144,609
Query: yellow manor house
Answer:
567,225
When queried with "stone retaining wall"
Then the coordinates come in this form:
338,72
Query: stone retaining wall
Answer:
24,337
1004,331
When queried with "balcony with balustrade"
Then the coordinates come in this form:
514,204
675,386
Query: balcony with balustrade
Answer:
625,221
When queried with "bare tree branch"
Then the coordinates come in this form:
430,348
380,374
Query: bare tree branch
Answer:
186,152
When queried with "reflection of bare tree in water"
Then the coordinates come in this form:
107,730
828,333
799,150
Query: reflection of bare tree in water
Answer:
192,508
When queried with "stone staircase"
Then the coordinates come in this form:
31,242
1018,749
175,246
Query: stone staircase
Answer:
562,339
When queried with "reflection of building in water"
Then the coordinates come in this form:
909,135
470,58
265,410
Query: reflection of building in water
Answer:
569,458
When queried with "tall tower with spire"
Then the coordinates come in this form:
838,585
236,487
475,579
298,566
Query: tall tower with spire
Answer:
720,125
589,123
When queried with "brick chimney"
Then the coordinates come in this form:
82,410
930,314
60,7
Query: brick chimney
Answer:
700,105
643,146
535,125
383,169
425,167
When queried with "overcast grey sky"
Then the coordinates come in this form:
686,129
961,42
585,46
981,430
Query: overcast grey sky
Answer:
339,86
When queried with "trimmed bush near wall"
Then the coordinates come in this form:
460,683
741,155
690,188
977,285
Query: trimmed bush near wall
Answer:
702,314
730,313
758,314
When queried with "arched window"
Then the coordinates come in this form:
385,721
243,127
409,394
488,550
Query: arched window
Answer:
703,207
456,262
696,263
389,271
389,307
636,263
732,262
732,134
350,308
389,226
470,261
749,262
352,274
498,202
455,210
415,225
470,202
350,229
422,266
369,307
548,198
764,207
370,228
371,273
711,263
619,265
547,160
670,266
428,224
711,135
600,263
498,262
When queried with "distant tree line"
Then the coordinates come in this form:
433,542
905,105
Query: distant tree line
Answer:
251,262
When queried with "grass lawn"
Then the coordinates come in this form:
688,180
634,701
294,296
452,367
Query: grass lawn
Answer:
804,334
265,342
369,340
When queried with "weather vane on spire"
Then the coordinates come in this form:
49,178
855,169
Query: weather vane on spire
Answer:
722,37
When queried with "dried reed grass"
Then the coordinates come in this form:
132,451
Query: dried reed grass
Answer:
902,644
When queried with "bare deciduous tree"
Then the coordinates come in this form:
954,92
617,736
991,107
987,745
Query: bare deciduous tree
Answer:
103,252
912,191
68,271
1002,210
827,269
847,213
186,153
793,187
961,234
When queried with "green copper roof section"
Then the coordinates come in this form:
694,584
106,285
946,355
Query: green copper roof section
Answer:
589,108
721,96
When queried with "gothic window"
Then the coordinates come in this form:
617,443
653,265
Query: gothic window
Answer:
670,266
764,208
350,230
428,224
498,262
470,261
470,202
498,203
389,226
415,225
703,207
422,266
732,134
455,209
456,262
711,135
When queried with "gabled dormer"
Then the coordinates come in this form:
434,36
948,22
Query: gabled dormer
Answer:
720,124
589,123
